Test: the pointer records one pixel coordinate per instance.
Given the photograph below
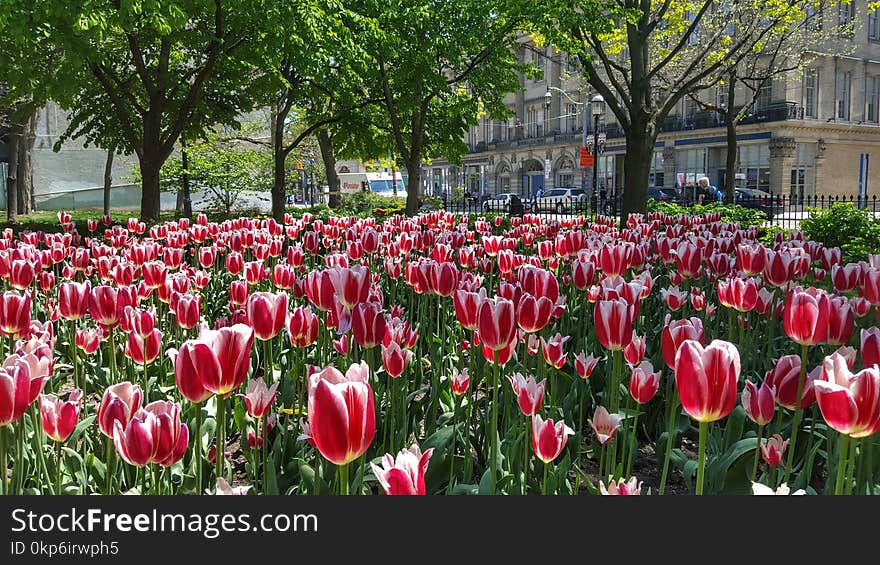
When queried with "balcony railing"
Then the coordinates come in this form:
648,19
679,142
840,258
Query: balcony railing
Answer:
775,112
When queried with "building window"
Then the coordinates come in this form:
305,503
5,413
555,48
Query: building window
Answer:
811,93
873,96
721,96
655,176
874,25
844,87
533,125
845,11
765,94
538,61
798,182
571,117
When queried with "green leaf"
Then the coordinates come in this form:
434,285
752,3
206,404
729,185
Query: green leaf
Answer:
487,486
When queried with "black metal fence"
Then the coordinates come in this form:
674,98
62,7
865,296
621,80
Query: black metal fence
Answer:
780,211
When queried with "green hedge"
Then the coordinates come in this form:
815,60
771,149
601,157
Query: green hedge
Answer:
845,226
729,212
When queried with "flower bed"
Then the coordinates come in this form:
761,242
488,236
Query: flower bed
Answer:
443,353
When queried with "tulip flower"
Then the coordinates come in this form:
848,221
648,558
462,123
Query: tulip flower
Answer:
231,349
529,394
644,382
88,339
497,323
533,314
342,418
459,381
405,474
783,490
840,321
395,359
154,434
194,364
759,403
849,403
783,377
706,378
553,351
187,310
806,316
614,321
368,324
773,449
73,299
870,346
584,365
676,333
673,298
635,351
143,350
302,327
549,437
604,425
341,345
59,416
621,488
119,403
19,388
267,313
15,313
259,398
223,489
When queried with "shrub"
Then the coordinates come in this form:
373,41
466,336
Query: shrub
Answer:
729,212
366,204
845,226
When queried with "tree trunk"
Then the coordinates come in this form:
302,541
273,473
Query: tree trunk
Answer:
185,193
150,189
413,168
14,138
637,164
279,154
325,143
730,164
25,174
108,180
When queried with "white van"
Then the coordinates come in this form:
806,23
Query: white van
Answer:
379,183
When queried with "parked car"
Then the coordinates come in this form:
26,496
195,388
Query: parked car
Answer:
760,200
498,203
664,194
562,199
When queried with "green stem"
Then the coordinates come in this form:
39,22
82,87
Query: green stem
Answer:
197,448
634,443
219,455
701,457
546,467
108,483
851,466
843,448
4,463
525,473
343,479
155,485
73,355
670,437
798,412
757,453
113,373
58,469
265,452
452,449
38,445
493,456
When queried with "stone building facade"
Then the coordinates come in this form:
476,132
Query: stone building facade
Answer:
814,132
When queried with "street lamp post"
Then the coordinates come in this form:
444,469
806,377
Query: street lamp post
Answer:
597,107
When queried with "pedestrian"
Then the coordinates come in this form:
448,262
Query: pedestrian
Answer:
705,191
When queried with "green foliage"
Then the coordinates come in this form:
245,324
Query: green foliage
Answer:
729,212
366,204
845,226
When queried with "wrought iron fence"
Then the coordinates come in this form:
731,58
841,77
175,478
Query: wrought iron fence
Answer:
779,211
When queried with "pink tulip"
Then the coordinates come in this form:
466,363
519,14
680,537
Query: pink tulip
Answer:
529,394
405,474
635,351
553,351
644,382
549,437
497,323
772,450
870,346
342,419
707,378
621,488
849,403
259,398
604,425
59,416
154,434
143,350
806,316
614,321
194,364
759,403
18,389
395,359
119,403
584,365
267,313
459,381
231,346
